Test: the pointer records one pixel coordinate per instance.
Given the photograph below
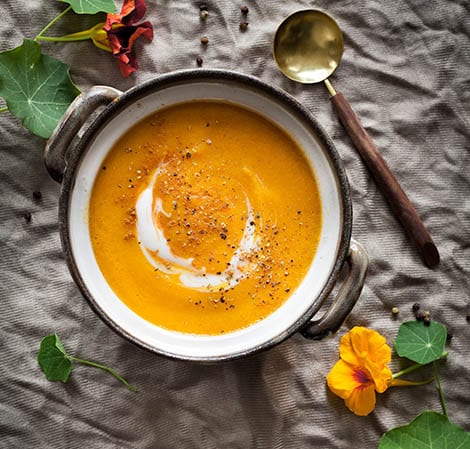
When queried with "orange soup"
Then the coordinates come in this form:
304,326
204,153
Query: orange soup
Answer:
205,217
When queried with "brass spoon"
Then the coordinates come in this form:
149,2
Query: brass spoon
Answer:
308,46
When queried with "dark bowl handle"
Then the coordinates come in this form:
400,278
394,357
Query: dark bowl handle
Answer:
55,153
346,297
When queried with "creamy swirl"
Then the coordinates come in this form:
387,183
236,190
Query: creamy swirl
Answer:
155,247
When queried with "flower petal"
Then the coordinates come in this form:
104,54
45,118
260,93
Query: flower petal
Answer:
343,379
121,40
131,12
361,345
361,401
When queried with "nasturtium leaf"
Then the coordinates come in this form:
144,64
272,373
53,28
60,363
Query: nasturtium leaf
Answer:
36,88
430,430
91,6
53,359
419,342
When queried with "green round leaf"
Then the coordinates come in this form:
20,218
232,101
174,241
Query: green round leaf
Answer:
53,360
430,430
37,88
91,6
420,342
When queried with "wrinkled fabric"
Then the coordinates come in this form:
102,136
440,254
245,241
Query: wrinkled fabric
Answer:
406,72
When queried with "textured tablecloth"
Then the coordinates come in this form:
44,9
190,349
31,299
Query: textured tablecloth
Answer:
406,71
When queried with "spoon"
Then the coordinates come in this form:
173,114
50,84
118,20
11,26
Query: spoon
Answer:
308,46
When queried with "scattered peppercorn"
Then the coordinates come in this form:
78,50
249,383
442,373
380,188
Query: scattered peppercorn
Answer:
243,26
203,14
199,61
37,195
223,236
427,314
420,316
395,310
244,9
427,320
28,217
204,40
416,307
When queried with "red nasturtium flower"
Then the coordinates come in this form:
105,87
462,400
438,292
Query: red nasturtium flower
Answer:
362,369
118,34
122,31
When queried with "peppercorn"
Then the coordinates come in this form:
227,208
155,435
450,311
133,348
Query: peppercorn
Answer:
395,310
244,9
203,14
420,316
199,61
28,217
37,195
427,320
416,307
243,26
204,40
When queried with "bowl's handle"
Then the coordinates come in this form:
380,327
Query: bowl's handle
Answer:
346,298
75,116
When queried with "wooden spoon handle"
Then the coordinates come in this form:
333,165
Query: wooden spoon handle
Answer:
384,178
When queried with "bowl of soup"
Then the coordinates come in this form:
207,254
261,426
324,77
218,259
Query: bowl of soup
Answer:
205,215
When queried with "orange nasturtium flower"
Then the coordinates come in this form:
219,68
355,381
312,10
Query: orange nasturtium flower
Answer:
362,369
118,34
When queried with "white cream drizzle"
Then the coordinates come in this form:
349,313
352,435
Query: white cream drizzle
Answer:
157,251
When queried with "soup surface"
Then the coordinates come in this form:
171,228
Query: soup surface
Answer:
205,217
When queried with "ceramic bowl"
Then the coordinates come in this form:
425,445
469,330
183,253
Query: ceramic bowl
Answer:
81,141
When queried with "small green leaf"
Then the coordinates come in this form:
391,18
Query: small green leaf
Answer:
53,359
430,430
420,342
37,88
91,6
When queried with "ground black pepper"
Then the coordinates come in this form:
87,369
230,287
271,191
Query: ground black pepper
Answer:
204,40
243,26
244,9
416,307
199,61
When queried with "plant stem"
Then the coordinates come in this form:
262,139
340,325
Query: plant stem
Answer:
414,367
441,393
409,383
410,369
5,109
62,39
54,20
105,368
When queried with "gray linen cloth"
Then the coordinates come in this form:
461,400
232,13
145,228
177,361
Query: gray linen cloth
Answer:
406,72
